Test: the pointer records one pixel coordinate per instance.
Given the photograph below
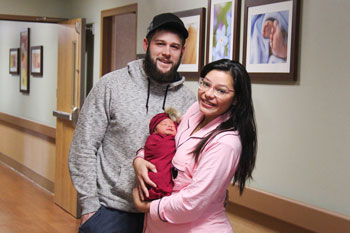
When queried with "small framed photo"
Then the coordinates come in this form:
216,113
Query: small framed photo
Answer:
193,57
223,29
36,60
14,60
270,49
24,61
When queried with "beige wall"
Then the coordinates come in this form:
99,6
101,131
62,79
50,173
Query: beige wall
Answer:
303,129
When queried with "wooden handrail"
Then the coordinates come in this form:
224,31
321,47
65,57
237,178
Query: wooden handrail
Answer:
36,19
294,212
29,125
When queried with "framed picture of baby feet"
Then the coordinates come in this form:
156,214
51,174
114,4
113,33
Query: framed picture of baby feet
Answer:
270,45
223,29
193,58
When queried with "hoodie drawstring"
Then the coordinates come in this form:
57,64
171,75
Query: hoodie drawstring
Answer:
148,94
165,94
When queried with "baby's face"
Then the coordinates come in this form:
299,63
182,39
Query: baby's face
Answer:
166,127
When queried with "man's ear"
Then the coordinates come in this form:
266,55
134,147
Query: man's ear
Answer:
183,49
145,44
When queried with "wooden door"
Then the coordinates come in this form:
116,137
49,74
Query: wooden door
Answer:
123,46
118,37
70,96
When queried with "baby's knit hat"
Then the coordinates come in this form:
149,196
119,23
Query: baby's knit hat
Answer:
170,113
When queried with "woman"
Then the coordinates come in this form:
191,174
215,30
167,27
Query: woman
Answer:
216,141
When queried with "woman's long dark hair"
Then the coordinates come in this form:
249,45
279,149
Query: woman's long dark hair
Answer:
241,119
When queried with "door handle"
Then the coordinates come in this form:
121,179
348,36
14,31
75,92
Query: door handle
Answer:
62,115
68,116
75,115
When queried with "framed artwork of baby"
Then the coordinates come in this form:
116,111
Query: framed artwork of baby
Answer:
271,39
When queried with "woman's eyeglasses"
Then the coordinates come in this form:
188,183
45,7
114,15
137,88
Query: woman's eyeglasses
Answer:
219,92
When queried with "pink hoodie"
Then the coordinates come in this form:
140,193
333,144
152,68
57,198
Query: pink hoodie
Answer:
197,202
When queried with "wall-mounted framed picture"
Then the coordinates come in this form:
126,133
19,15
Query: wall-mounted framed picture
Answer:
193,57
223,29
36,68
271,32
24,61
14,60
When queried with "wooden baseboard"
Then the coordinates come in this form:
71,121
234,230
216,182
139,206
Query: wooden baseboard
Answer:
35,177
294,212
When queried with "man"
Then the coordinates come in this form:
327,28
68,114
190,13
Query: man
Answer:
113,125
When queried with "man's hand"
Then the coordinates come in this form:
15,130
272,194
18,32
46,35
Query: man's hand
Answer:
141,168
142,206
85,217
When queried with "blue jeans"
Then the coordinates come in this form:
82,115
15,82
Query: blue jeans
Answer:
107,220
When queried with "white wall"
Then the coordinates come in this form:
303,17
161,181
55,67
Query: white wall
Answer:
91,10
303,129
50,8
41,100
39,104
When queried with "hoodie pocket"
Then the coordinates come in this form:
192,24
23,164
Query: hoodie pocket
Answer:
125,183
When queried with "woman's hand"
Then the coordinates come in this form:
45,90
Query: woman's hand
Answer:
141,168
142,206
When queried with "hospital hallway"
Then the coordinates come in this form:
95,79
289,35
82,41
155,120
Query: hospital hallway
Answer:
27,208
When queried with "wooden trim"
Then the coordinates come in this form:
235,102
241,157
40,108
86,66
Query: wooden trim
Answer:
106,22
36,19
106,47
119,10
294,212
29,125
35,177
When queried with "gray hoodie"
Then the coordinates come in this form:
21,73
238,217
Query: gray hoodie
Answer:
112,126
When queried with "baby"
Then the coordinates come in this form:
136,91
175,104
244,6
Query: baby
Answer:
160,149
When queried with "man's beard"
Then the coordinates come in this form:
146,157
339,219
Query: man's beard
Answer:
155,74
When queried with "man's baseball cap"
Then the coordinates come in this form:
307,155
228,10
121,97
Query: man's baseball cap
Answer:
167,19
